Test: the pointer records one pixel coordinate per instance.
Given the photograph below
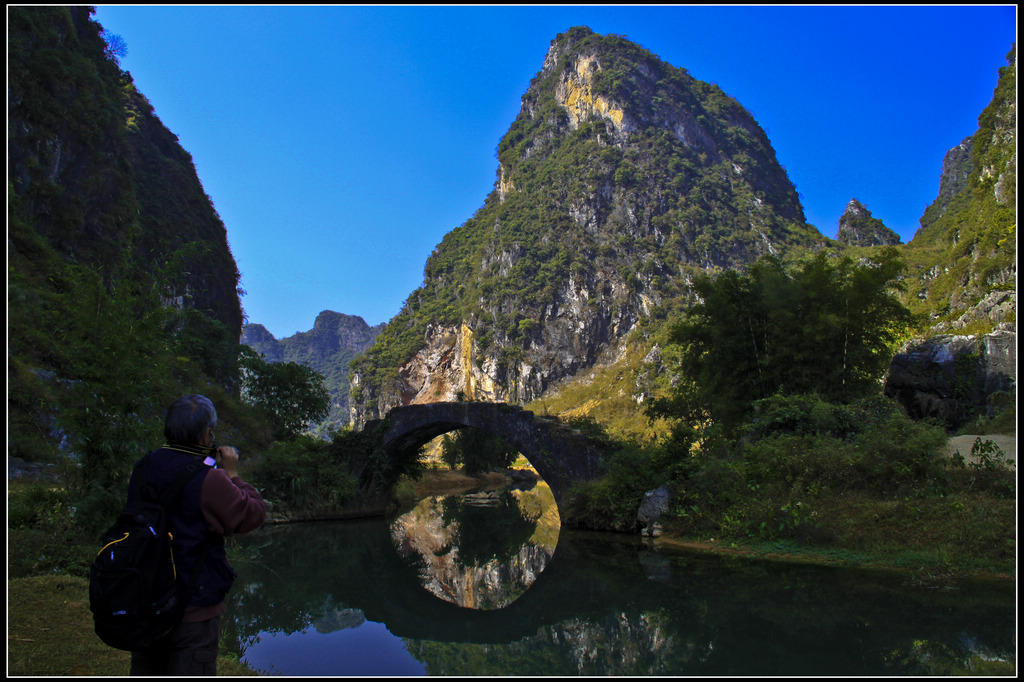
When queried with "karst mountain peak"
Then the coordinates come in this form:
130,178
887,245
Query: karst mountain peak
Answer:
620,179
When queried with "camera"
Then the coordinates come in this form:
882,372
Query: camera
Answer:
211,459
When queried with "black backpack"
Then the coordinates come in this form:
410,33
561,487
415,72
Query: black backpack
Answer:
135,593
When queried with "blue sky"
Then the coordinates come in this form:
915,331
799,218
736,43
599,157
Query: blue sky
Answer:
341,143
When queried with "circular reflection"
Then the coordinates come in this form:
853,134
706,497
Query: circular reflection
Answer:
480,550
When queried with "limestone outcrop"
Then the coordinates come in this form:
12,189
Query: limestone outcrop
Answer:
952,378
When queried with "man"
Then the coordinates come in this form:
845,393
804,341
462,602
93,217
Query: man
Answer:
214,504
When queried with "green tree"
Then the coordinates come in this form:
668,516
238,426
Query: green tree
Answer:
827,326
108,373
292,394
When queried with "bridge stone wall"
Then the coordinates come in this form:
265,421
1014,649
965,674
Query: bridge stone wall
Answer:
561,455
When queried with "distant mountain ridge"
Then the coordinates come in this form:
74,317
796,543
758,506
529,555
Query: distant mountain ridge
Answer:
857,227
328,347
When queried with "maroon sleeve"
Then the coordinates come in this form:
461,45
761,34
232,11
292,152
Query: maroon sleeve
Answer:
230,505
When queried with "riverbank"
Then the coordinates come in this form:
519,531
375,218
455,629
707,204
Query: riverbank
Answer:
50,633
932,565
923,574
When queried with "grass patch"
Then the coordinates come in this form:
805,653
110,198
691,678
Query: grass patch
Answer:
50,632
41,534
931,536
966,533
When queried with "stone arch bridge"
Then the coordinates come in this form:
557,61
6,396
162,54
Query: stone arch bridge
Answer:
559,453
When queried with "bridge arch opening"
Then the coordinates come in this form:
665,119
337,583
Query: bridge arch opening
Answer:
559,455
481,548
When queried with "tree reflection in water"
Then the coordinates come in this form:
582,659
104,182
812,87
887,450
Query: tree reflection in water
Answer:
479,550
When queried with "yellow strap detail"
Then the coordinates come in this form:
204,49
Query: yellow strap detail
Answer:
174,566
112,542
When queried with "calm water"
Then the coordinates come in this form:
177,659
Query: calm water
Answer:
489,585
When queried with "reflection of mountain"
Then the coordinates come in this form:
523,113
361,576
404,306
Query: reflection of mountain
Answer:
477,552
616,644
337,618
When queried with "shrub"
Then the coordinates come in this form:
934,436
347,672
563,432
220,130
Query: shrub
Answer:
988,469
705,498
33,504
303,476
899,452
611,502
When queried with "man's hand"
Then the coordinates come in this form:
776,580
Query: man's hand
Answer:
227,460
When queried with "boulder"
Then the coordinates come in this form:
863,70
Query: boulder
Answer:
952,378
654,504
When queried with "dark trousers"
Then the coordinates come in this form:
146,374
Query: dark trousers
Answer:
190,649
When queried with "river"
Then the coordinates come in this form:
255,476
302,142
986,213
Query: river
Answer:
488,584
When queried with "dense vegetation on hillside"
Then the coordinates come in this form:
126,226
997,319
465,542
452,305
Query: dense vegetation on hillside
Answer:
95,174
967,244
122,292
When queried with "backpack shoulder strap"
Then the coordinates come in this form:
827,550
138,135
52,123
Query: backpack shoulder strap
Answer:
172,491
139,481
144,490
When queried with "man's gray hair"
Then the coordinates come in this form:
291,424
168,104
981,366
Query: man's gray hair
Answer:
188,418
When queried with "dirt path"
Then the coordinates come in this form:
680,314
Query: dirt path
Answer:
1006,443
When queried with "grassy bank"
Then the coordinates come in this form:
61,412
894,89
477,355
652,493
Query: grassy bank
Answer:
934,539
966,528
50,632
857,483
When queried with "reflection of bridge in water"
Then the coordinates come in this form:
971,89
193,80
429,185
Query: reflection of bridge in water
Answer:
352,565
562,591
560,454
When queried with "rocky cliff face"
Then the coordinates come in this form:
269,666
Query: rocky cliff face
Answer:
857,227
621,177
953,181
967,244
